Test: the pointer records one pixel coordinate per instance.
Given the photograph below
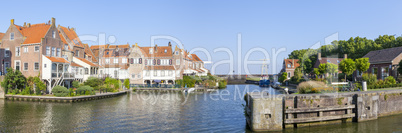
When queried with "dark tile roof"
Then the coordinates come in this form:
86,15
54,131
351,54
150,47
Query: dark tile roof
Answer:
384,55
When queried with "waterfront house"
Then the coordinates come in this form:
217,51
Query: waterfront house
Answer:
114,62
289,66
136,65
158,61
384,63
98,50
336,61
4,57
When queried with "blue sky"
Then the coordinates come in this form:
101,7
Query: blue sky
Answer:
216,24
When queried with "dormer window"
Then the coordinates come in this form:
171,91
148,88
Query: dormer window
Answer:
54,34
165,50
289,66
151,50
65,46
177,52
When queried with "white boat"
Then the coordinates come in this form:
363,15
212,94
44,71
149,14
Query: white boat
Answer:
189,90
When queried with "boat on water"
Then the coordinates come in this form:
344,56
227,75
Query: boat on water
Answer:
189,90
264,81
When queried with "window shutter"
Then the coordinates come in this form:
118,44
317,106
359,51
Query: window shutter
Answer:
159,62
140,60
154,61
170,62
131,61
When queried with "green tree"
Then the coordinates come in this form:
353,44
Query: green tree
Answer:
76,84
362,64
283,77
127,83
322,68
316,71
93,82
347,66
14,80
39,85
332,68
400,67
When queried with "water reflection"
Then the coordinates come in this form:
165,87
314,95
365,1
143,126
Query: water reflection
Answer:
152,111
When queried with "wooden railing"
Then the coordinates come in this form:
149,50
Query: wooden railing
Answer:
292,114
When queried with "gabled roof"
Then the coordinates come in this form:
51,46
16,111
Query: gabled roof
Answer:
195,57
75,64
1,35
33,33
87,62
294,63
384,55
88,51
158,51
159,68
72,35
335,61
63,40
108,53
57,59
119,46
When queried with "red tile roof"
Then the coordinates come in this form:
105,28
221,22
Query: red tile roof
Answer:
161,51
75,64
1,35
34,33
88,62
195,57
293,63
57,59
100,46
119,46
72,35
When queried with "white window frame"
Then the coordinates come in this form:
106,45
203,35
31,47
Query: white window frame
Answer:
26,49
124,60
162,73
66,46
7,52
107,60
58,52
54,34
116,60
12,36
35,66
17,54
155,73
53,51
48,50
35,48
77,53
15,65
26,65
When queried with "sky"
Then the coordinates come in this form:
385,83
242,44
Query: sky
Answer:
272,27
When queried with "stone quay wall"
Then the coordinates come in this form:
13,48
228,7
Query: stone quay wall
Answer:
275,112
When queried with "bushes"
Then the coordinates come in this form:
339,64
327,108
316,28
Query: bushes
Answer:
387,83
126,83
209,83
307,87
369,78
85,90
222,84
60,91
112,83
93,82
76,84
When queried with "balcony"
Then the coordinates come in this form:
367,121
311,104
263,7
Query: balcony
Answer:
66,75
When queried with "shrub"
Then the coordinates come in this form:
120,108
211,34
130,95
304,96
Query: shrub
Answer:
222,84
26,91
76,84
307,86
209,83
93,82
60,91
390,80
85,90
127,83
369,78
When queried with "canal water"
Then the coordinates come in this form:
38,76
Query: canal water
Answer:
218,111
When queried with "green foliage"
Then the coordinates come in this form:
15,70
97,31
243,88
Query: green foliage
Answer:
60,91
13,80
362,64
298,76
126,83
400,67
222,84
93,82
209,83
283,77
390,80
347,66
76,84
187,80
39,85
85,90
26,91
322,68
371,79
112,83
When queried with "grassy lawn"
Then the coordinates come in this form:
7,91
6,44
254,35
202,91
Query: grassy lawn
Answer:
254,79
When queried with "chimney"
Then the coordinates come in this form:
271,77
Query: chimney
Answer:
319,56
155,48
170,44
53,22
29,25
345,56
25,24
72,29
12,21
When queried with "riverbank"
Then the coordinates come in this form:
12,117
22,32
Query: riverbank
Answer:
62,99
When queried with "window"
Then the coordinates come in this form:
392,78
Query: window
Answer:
116,60
17,65
17,51
124,60
54,34
384,72
374,71
77,53
25,66
151,50
165,50
177,52
65,46
132,75
170,73
155,73
36,67
12,36
53,51
7,53
58,52
26,49
139,75
107,60
7,64
288,74
289,66
45,65
47,50
162,73
36,48
146,73
115,74
86,71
